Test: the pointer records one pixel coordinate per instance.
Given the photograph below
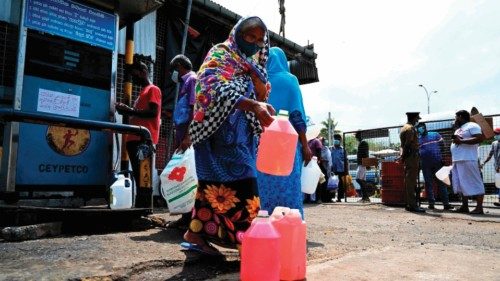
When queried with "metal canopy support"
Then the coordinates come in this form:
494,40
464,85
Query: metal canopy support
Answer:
144,196
127,85
183,50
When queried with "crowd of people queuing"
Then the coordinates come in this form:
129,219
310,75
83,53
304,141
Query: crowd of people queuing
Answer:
421,148
221,111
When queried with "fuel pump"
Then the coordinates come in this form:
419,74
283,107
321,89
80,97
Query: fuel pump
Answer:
70,49
65,87
68,78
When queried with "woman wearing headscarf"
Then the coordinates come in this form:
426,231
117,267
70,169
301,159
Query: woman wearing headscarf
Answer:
228,119
285,95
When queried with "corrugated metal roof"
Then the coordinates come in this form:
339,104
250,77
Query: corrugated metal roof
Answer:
305,71
128,10
216,8
303,63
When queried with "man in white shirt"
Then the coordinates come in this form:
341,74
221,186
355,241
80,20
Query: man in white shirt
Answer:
466,174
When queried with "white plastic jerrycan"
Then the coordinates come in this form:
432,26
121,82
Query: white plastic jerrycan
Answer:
497,180
310,176
121,193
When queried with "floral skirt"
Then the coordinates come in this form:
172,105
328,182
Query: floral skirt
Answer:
224,211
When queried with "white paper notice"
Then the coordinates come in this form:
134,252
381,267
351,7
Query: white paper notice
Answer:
58,103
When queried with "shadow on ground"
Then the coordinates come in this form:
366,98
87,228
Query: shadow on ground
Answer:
311,244
173,236
192,268
206,267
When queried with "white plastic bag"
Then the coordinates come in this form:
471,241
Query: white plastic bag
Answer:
333,182
444,174
179,182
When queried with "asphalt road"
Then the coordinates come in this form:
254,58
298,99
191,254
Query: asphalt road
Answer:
346,241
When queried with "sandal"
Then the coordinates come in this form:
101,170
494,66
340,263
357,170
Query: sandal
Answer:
477,212
461,210
207,249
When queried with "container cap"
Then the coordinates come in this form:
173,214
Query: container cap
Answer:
263,214
283,112
281,210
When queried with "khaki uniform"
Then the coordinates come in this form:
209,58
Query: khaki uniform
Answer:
411,158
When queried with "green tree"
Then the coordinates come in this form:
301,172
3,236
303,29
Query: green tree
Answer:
324,130
351,144
376,146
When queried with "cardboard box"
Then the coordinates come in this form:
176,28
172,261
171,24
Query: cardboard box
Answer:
368,162
486,126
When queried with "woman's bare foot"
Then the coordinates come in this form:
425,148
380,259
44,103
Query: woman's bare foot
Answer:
194,238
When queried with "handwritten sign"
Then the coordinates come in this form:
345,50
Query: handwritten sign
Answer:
58,103
72,20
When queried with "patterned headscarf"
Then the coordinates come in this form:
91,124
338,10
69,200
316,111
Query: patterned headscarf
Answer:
223,79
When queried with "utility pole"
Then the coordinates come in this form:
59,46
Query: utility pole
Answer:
282,13
329,128
428,97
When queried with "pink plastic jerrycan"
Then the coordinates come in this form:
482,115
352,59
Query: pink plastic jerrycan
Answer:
260,251
292,229
277,147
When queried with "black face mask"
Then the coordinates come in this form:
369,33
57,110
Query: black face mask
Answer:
249,49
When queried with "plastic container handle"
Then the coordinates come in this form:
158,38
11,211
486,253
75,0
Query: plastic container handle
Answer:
283,112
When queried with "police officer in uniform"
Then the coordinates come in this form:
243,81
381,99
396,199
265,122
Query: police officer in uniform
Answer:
410,159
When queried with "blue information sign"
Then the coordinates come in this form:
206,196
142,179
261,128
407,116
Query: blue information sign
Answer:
72,20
